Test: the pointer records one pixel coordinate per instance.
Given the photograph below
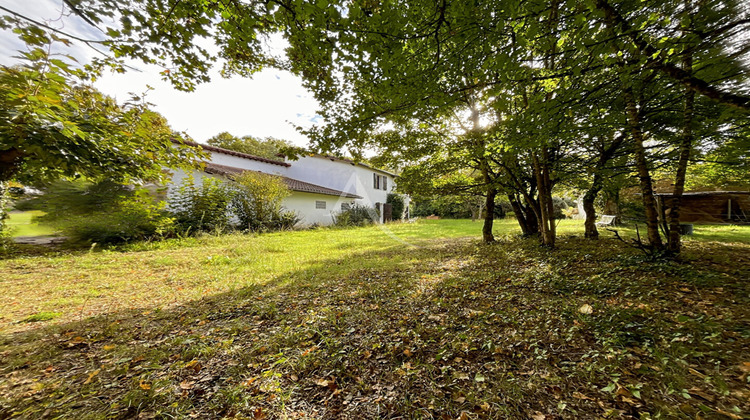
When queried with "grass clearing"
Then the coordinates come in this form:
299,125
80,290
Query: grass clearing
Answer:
418,320
22,224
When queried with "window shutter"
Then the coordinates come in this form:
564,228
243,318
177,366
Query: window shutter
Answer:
375,181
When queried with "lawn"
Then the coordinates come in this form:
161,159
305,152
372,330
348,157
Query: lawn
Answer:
21,224
415,320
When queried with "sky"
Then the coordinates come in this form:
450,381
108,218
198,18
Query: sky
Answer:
268,105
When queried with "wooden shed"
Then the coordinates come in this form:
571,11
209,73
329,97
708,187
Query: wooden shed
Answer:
709,206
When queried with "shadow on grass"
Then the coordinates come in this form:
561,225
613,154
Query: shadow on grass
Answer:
491,331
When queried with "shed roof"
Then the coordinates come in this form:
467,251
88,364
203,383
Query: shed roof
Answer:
293,184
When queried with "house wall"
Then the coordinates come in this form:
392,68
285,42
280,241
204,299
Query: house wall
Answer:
342,176
178,178
303,204
317,170
710,208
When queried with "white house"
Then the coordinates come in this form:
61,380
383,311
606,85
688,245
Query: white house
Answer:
321,186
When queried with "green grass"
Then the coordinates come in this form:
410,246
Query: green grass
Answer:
21,224
415,320
41,316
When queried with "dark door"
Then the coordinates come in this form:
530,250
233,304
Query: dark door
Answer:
387,212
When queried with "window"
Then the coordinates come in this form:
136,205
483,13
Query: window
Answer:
346,206
320,205
379,182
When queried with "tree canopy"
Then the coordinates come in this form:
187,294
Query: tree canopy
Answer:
54,125
268,148
530,94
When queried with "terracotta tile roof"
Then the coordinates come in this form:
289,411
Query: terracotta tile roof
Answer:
293,184
302,186
231,152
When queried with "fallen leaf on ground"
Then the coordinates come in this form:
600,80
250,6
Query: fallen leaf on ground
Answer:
91,376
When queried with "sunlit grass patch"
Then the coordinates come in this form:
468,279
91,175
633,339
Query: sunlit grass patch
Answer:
41,316
22,224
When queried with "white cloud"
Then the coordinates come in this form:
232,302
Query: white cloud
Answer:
266,105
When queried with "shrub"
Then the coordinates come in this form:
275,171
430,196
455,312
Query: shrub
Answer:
559,205
257,201
397,205
103,212
356,215
133,218
201,208
62,200
284,221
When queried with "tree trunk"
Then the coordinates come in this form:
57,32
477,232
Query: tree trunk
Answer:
686,145
546,167
489,216
546,211
596,185
525,216
612,203
589,224
9,161
641,162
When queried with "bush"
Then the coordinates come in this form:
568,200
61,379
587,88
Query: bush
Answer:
284,221
559,205
397,205
202,208
356,215
134,218
62,200
256,201
104,212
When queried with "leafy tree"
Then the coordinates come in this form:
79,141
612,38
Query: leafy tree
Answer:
52,125
397,205
534,64
268,148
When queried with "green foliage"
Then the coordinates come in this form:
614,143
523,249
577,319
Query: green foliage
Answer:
203,207
355,215
520,107
268,148
725,165
137,217
52,125
41,316
62,199
257,202
103,212
560,206
397,205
